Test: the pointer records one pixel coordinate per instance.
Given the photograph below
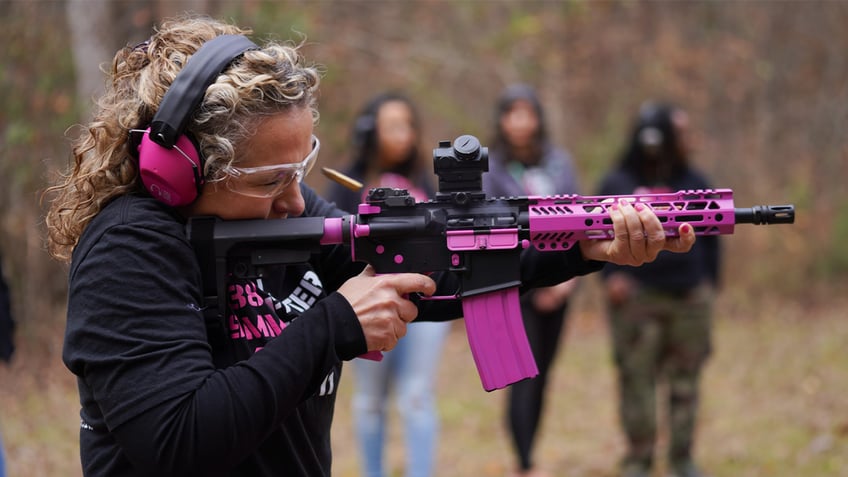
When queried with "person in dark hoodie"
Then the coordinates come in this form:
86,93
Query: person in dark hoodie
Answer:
201,121
660,313
524,161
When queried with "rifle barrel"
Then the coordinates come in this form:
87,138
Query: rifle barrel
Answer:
765,214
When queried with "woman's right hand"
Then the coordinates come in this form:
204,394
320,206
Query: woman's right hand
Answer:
381,305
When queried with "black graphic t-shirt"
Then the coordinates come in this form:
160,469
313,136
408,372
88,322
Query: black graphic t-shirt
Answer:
256,315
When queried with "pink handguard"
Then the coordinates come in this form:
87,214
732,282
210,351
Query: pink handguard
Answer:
497,338
558,222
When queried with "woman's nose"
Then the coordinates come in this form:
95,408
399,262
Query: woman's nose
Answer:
290,201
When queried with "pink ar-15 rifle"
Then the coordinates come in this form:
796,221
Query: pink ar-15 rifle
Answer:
477,237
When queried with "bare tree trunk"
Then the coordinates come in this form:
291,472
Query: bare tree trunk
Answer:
100,27
91,26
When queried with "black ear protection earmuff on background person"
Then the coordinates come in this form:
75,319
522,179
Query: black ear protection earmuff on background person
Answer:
170,164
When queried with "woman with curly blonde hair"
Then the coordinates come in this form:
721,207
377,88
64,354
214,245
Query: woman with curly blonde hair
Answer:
158,396
166,386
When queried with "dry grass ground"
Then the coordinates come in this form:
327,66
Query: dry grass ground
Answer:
774,402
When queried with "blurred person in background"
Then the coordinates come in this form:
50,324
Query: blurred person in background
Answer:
386,153
524,161
660,313
7,342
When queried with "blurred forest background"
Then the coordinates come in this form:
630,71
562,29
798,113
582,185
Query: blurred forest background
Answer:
765,82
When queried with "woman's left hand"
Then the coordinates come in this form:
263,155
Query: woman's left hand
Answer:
639,237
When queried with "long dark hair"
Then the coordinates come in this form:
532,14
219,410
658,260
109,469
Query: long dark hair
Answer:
513,93
365,132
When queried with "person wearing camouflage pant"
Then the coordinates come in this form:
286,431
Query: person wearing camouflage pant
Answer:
660,334
660,313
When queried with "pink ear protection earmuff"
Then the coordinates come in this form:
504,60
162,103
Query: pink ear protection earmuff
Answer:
169,162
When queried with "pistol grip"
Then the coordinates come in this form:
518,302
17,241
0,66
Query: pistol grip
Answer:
497,338
372,356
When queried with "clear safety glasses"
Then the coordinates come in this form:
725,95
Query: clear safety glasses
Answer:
269,181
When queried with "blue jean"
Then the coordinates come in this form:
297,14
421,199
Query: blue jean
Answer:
409,370
2,460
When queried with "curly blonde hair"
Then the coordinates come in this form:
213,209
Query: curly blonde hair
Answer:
258,84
